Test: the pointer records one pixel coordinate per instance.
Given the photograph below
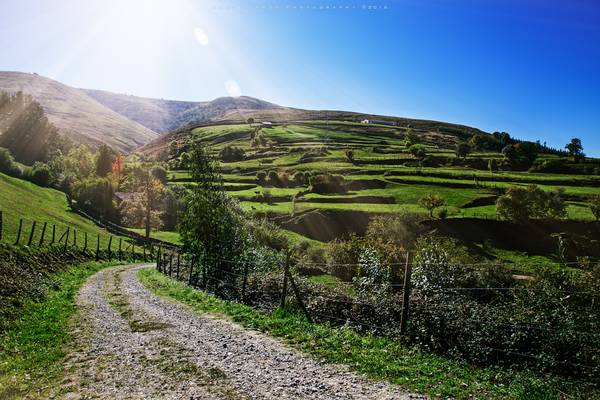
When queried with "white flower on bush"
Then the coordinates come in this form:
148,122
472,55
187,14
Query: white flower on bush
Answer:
433,268
371,269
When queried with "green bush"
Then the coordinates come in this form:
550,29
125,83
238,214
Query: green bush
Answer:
41,174
328,183
520,205
8,164
232,154
300,178
261,176
159,173
342,257
418,151
96,197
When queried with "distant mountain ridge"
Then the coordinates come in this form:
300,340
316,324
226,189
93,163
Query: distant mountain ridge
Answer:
122,121
166,115
128,122
76,115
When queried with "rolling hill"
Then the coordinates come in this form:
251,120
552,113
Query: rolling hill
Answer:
127,122
163,116
381,177
77,115
24,200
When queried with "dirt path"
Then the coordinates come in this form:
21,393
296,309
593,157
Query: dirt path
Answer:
134,345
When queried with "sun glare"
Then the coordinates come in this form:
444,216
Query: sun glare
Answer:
201,36
232,88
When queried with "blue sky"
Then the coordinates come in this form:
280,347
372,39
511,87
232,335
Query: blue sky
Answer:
531,68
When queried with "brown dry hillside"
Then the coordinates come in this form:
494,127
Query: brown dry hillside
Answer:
76,114
155,114
162,115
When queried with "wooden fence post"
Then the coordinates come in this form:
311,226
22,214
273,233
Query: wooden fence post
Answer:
53,234
178,256
171,265
204,274
98,248
19,231
41,242
60,239
285,278
31,234
67,238
133,250
299,298
191,270
405,295
158,266
1,225
109,248
84,242
120,249
74,237
145,259
244,281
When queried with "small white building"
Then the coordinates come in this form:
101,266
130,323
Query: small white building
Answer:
379,122
267,124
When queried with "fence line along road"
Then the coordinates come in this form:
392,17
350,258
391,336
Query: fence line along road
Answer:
50,236
233,286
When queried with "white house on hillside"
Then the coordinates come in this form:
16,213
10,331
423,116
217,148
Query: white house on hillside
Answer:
379,122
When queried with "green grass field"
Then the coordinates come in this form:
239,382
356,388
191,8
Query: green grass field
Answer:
380,157
20,199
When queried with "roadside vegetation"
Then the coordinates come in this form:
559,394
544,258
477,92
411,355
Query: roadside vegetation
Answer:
462,305
33,345
378,357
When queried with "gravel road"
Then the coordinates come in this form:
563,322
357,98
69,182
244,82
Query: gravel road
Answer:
132,344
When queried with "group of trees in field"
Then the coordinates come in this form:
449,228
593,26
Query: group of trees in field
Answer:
91,178
524,204
232,154
519,204
517,155
25,130
315,182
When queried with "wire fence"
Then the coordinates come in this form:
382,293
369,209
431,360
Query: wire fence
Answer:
42,234
398,310
393,309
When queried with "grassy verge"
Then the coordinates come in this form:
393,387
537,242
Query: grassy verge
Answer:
379,358
32,347
165,236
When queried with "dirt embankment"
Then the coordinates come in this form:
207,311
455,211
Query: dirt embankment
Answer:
536,238
539,237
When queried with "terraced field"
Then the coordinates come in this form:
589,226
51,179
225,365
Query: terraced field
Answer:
383,176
